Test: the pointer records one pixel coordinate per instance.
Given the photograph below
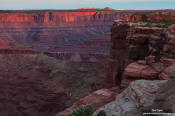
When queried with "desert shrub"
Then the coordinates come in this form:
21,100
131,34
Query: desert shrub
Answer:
168,23
165,24
86,111
83,111
101,113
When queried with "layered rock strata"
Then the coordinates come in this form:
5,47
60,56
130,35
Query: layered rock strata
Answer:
69,30
140,52
139,94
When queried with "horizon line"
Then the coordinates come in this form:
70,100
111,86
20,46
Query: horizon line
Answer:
82,9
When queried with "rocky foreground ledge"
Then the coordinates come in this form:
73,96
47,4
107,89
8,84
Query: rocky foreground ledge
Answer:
138,95
141,97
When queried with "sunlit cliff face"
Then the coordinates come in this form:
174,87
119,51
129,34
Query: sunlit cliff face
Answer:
48,30
58,18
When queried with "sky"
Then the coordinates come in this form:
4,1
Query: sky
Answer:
74,4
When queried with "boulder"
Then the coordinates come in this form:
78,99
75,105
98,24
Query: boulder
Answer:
139,94
168,73
139,70
165,98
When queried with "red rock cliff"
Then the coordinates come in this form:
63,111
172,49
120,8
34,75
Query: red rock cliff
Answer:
156,16
60,18
140,52
51,31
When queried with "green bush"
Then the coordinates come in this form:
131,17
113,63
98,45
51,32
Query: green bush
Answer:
168,23
164,24
86,111
102,113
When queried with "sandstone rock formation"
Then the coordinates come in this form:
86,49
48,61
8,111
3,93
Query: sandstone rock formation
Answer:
139,94
66,30
168,73
140,52
156,16
169,46
143,71
97,99
48,30
165,98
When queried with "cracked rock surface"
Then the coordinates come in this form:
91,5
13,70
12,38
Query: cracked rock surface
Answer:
139,94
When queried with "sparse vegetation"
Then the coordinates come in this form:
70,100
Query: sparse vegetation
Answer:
168,23
102,113
164,24
87,111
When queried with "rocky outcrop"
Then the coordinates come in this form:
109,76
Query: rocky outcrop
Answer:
141,70
153,16
140,52
118,53
169,48
139,94
168,73
97,99
165,98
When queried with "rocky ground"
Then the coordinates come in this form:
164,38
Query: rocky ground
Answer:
138,95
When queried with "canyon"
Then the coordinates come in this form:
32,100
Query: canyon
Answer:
54,61
66,33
